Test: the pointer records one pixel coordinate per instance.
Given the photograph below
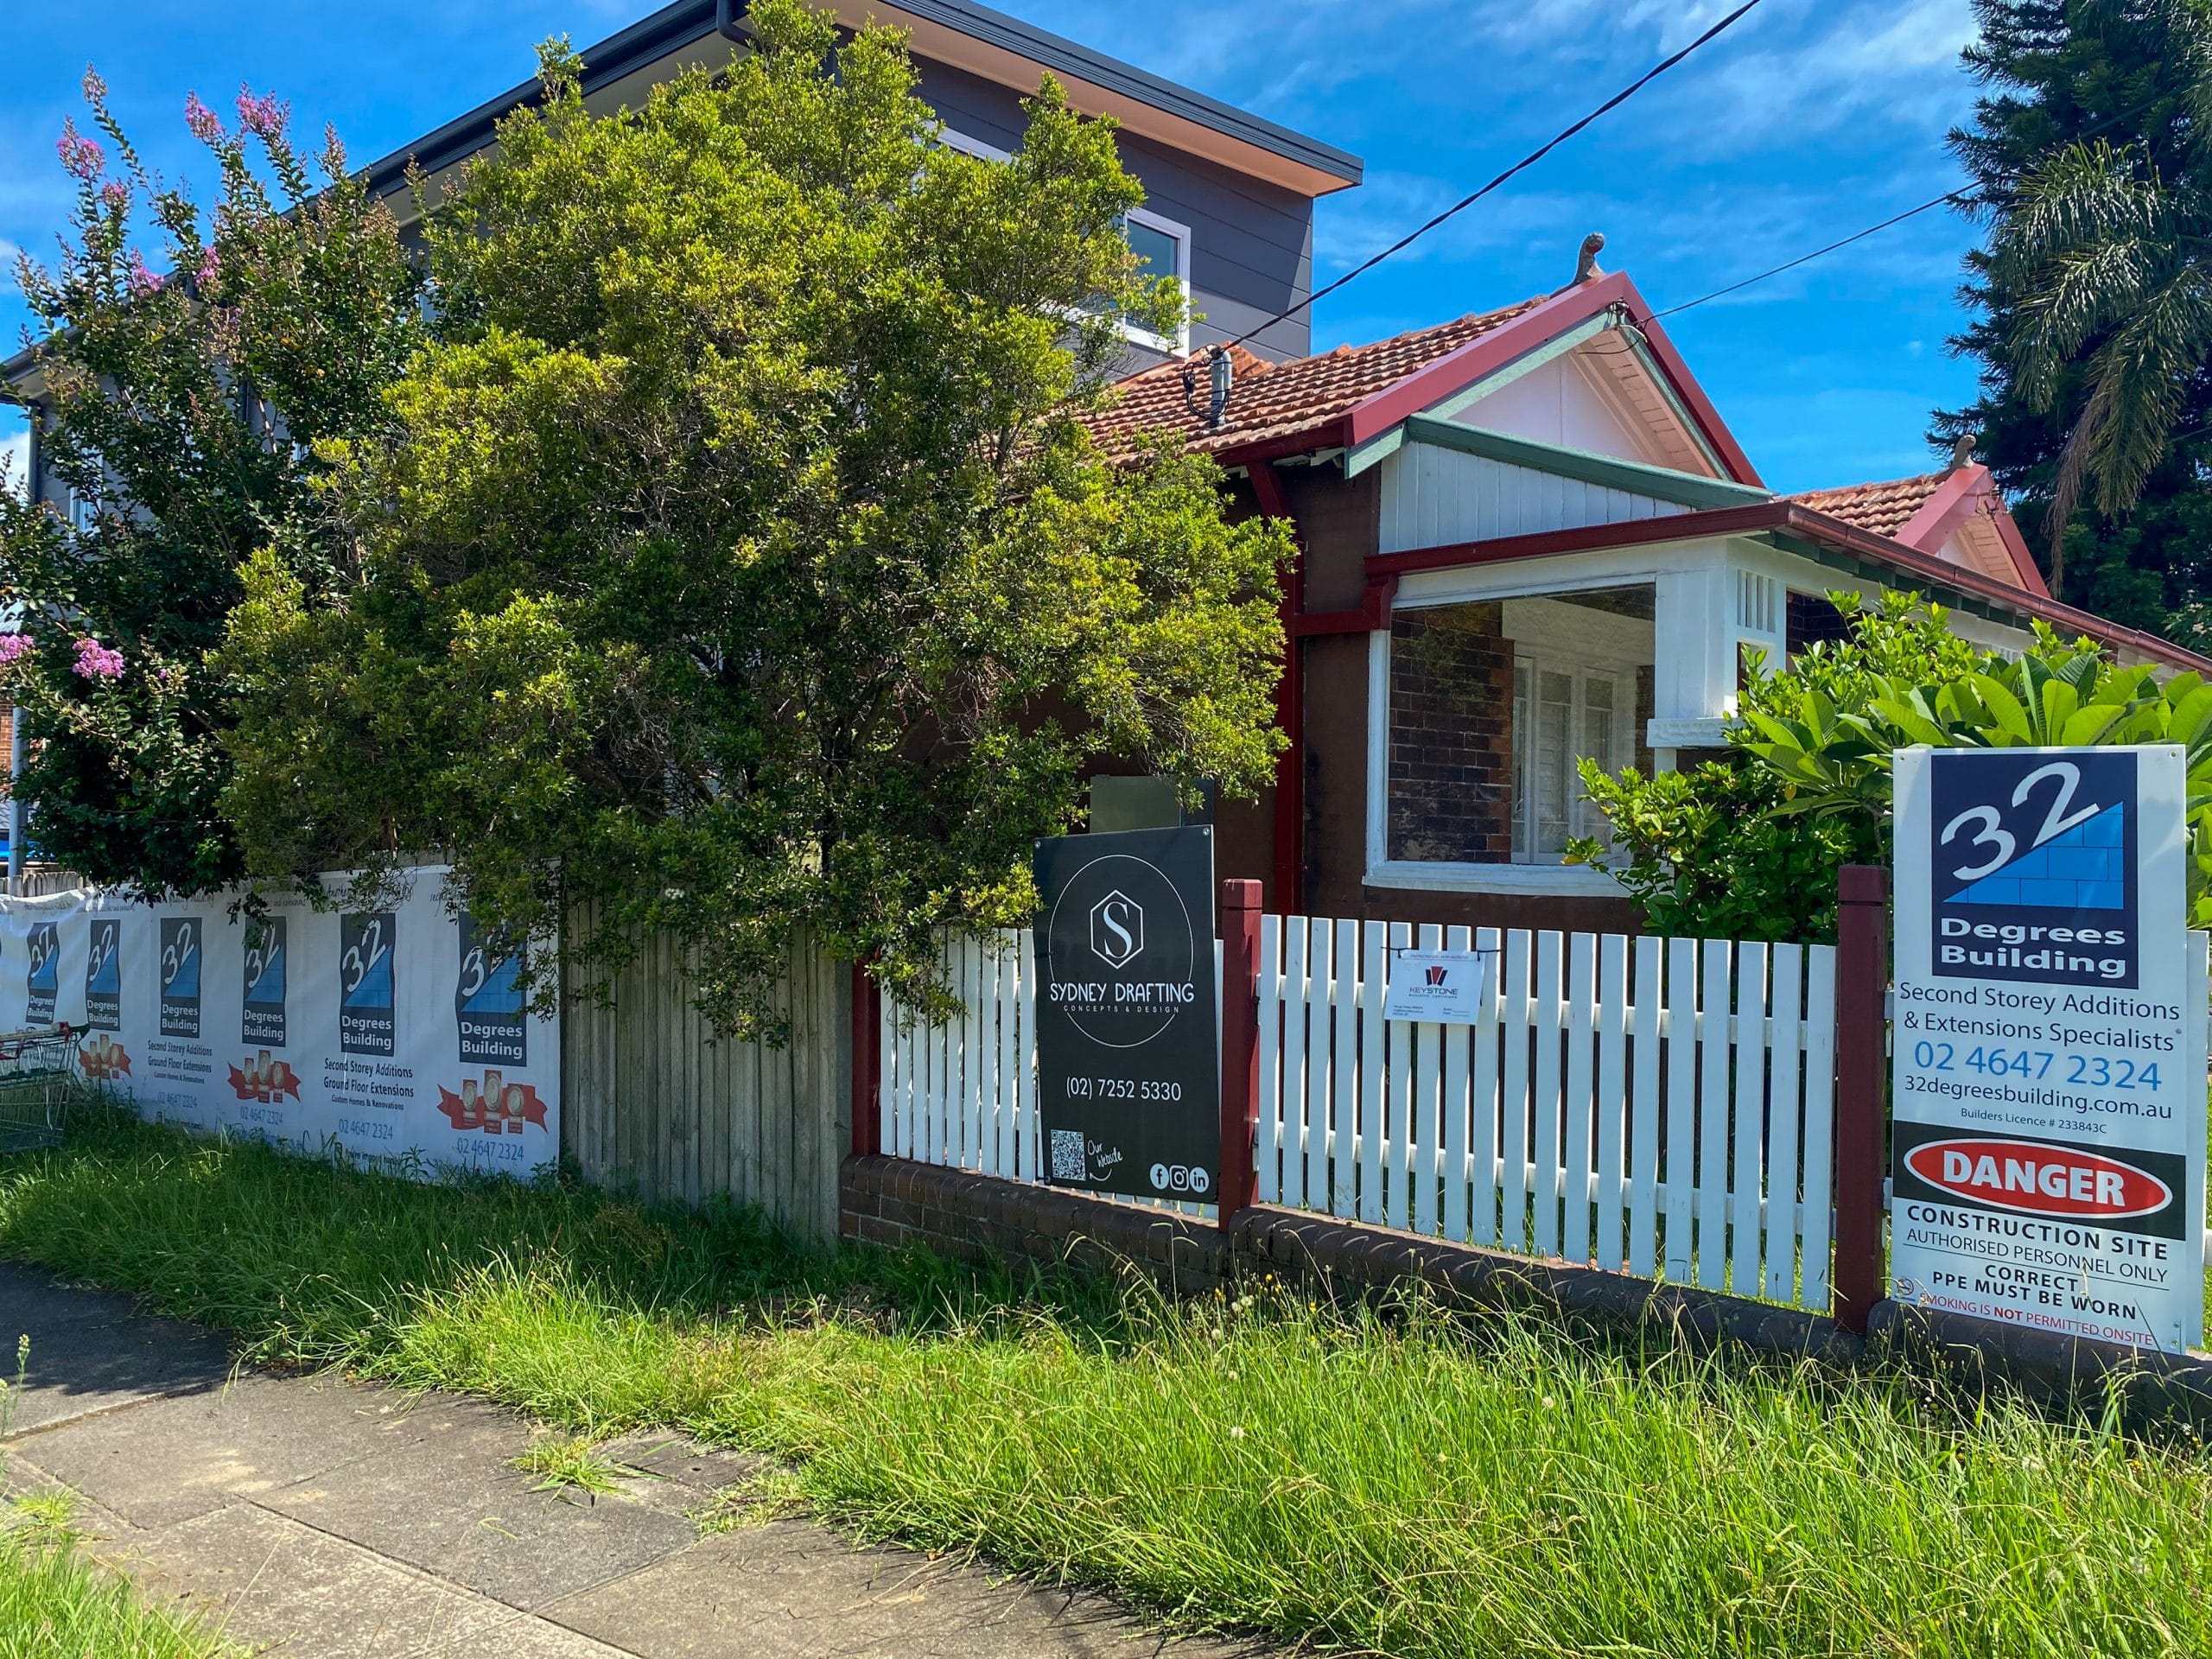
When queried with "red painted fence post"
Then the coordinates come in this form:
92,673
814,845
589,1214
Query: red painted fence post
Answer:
1240,1044
1862,984
866,1051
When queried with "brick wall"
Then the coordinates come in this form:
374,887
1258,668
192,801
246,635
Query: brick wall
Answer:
969,1217
1450,778
886,1200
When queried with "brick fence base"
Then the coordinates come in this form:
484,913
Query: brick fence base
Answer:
892,1201
957,1213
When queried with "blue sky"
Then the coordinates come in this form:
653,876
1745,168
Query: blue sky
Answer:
1810,119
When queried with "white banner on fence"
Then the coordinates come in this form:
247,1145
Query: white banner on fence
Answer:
2048,1124
399,1035
1445,988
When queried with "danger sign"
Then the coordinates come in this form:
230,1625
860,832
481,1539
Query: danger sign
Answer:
2048,1125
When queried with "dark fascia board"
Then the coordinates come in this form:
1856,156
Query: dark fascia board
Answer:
646,41
1611,472
1067,57
675,26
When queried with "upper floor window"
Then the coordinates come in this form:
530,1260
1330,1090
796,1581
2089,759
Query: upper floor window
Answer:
1164,249
1162,245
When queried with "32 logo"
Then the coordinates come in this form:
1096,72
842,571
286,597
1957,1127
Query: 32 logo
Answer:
43,982
104,975
2032,873
366,1020
180,961
2060,780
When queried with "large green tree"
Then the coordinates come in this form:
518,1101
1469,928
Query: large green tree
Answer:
738,558
188,378
2091,309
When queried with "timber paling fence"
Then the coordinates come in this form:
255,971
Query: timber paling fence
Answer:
1658,1107
654,1101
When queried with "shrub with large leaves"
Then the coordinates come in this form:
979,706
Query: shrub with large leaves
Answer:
1750,850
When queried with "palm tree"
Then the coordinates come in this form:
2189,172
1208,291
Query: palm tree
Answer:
2112,259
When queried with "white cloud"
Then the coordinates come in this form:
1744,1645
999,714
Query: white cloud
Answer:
1858,64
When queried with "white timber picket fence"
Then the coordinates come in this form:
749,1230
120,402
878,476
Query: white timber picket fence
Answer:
1657,1107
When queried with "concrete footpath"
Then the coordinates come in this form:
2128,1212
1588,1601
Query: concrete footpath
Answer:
318,1518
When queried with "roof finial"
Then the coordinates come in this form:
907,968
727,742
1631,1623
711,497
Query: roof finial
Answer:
1962,450
1586,263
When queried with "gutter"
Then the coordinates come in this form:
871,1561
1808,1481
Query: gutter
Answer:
689,21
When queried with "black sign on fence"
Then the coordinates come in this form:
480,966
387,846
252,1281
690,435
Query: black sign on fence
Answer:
1128,1059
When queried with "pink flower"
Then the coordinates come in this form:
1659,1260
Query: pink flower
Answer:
142,281
13,647
96,662
115,194
210,267
201,120
80,157
264,117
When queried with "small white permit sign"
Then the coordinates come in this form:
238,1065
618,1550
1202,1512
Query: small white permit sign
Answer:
1444,987
2048,1125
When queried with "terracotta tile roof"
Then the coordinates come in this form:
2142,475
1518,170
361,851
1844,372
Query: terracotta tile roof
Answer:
1885,508
1281,400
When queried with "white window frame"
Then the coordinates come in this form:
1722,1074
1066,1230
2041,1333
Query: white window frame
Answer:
976,147
1536,880
1579,669
1179,344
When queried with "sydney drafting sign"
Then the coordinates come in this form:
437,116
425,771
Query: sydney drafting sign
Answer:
1129,1061
2048,1124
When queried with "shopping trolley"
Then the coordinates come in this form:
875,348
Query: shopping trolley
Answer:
38,1080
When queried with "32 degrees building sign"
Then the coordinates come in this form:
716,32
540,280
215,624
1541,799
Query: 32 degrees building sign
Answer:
2048,1110
1127,1055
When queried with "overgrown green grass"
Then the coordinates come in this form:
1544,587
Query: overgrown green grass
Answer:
1410,1483
53,1605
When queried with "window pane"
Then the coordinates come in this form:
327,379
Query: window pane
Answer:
1493,703
1555,781
1452,753
1600,744
1155,247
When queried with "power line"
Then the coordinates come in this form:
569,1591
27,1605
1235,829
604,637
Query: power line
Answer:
1962,197
1807,258
1525,163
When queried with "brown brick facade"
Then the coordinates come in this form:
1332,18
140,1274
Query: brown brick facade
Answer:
1450,777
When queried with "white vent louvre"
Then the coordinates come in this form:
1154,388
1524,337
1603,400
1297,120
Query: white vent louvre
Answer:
1758,604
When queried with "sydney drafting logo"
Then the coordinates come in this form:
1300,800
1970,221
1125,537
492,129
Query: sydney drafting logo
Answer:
1116,929
2034,874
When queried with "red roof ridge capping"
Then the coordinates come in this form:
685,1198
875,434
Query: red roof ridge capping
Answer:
1346,396
1925,510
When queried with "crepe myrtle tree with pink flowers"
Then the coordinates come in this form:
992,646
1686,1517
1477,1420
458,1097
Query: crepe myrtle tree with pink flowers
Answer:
193,359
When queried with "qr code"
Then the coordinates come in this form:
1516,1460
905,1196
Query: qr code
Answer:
1068,1163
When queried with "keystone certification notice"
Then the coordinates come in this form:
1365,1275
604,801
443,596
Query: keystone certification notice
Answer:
2047,1131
